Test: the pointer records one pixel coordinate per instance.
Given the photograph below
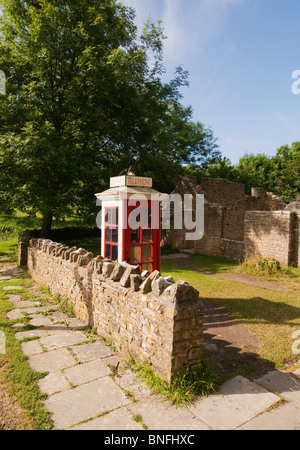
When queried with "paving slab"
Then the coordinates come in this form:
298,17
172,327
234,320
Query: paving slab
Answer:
37,293
52,361
65,339
95,350
53,383
14,297
25,304
116,360
30,333
283,383
284,418
34,309
59,317
57,329
40,321
10,288
4,278
85,402
128,381
31,348
76,324
12,271
235,403
120,419
15,314
86,372
159,414
18,325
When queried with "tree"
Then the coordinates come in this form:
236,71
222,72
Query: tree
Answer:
287,179
279,174
81,98
255,171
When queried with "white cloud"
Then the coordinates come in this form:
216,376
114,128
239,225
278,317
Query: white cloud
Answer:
189,25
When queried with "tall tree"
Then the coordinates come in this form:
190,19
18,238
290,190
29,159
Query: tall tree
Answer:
82,96
255,171
287,179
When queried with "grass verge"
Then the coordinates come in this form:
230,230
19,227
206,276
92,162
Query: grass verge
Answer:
272,316
213,264
270,269
16,376
183,389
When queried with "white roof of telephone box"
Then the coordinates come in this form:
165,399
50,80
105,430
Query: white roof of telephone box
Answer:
130,186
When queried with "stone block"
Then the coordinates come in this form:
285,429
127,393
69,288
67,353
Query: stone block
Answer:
181,291
159,285
84,260
118,272
68,253
145,273
107,269
146,286
169,279
135,282
130,270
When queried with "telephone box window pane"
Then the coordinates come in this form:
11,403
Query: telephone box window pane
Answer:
107,251
115,235
147,266
135,255
114,252
147,252
146,218
147,236
108,235
108,216
115,218
135,236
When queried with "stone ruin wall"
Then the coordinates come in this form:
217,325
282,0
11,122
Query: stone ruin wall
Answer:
239,226
273,234
150,317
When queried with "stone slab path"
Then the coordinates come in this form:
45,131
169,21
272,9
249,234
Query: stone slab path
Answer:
89,387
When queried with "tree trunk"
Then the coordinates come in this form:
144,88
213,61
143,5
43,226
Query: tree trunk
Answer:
46,225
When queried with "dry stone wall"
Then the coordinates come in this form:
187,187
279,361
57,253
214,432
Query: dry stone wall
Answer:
153,318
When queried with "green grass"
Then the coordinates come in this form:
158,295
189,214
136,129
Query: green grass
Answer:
183,389
11,226
9,247
15,374
138,419
213,264
14,224
270,269
91,244
269,315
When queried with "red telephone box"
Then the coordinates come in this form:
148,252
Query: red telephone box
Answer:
130,222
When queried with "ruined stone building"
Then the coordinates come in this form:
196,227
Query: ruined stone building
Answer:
239,226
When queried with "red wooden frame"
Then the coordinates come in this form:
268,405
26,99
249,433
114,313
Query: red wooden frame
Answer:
154,261
111,226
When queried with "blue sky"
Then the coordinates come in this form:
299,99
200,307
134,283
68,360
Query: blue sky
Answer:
241,55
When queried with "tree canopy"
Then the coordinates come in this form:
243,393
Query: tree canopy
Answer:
84,92
279,174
